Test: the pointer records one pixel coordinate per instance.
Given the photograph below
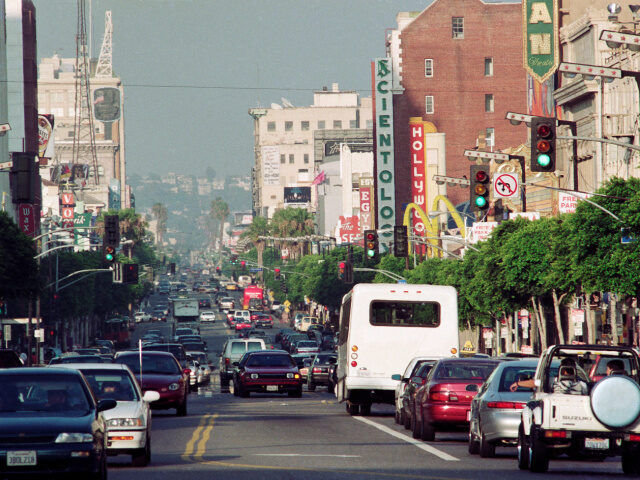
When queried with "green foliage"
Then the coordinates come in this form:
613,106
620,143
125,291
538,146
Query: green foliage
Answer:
18,268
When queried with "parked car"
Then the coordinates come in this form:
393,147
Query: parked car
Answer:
319,370
270,371
129,423
495,410
413,378
232,351
54,423
445,400
162,373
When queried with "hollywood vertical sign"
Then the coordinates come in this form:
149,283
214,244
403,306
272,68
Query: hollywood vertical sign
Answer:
385,182
418,175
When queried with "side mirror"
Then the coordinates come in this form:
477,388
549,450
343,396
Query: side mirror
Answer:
106,404
396,377
236,364
151,396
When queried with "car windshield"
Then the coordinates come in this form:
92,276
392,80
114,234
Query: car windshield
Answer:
112,384
269,361
465,371
151,364
62,394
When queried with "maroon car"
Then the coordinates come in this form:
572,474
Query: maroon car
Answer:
267,371
445,400
160,372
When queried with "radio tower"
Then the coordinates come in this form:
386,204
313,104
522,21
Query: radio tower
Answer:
105,69
84,140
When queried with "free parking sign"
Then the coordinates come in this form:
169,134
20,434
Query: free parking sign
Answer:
505,185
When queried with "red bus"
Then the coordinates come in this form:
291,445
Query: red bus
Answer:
252,298
117,330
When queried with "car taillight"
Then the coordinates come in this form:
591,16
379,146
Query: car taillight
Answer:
439,396
317,370
227,361
506,405
555,434
634,438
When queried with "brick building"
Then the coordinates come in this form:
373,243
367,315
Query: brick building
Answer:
457,65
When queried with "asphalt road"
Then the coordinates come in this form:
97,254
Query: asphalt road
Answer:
277,437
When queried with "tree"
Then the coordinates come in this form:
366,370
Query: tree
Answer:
290,223
160,213
219,211
18,268
259,228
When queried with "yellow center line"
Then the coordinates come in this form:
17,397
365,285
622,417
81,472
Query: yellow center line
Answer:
202,444
189,449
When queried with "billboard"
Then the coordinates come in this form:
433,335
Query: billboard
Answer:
106,104
45,136
366,203
270,165
297,194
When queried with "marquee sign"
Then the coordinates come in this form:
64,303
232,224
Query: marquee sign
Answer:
540,37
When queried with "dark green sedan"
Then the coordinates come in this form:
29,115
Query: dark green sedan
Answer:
51,424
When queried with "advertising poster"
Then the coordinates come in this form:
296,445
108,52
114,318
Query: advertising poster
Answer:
271,165
297,194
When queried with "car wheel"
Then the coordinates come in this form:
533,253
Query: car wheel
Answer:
242,392
538,456
311,386
236,391
402,416
427,431
523,450
407,420
415,427
474,444
224,382
181,411
297,393
365,409
353,408
330,387
487,450
101,474
143,456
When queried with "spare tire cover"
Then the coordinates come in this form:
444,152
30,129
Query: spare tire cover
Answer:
615,401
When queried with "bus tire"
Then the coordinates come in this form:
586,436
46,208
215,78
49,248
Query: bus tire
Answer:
353,408
365,409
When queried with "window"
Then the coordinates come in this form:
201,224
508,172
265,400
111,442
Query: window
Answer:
488,67
428,67
70,134
304,125
428,104
282,158
321,125
369,123
404,314
291,158
457,27
306,158
488,102
337,124
271,126
353,124
491,141
288,126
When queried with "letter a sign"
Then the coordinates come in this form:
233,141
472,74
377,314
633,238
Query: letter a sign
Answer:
540,35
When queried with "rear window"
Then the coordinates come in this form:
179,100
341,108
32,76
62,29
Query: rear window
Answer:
238,347
253,346
464,371
269,361
405,314
151,364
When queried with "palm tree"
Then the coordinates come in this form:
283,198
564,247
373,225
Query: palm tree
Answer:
293,222
259,228
219,211
160,213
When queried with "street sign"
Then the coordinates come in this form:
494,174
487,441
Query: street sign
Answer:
26,219
255,270
5,165
505,185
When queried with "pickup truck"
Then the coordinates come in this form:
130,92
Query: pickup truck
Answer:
597,417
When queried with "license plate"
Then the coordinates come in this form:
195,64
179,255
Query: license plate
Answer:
468,415
272,388
596,443
20,458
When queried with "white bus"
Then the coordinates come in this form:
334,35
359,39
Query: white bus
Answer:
384,326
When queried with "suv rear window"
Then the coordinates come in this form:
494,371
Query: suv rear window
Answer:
253,346
238,347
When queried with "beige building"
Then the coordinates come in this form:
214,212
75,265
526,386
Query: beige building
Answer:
56,96
285,165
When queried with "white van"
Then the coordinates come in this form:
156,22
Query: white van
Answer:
244,281
384,326
306,322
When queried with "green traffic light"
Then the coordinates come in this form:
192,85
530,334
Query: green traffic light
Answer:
543,160
371,253
481,202
109,257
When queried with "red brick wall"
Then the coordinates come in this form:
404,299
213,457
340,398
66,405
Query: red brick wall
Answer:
459,84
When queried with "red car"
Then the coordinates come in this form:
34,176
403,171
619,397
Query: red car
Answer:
160,372
445,400
242,324
262,320
267,371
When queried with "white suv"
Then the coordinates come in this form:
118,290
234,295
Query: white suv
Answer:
597,417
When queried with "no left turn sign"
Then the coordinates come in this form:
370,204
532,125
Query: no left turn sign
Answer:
505,185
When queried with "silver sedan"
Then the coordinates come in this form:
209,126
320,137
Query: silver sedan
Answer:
495,410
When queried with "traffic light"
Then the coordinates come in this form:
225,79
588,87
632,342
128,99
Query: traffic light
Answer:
348,273
370,243
479,195
109,254
342,268
111,231
543,144
129,273
172,268
400,241
217,269
276,273
243,264
234,259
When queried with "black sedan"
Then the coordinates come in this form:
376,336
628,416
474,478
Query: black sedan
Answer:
51,424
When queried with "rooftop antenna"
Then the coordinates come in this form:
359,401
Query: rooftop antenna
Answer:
105,65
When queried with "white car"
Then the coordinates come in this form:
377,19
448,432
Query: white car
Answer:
208,316
142,317
227,303
129,423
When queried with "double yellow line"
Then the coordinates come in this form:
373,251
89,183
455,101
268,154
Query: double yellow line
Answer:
197,444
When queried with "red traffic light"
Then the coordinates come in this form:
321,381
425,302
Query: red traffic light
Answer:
370,236
342,265
243,263
276,270
482,176
544,130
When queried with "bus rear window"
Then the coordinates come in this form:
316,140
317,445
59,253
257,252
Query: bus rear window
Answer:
405,314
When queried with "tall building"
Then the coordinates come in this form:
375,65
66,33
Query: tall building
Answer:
286,163
56,96
457,65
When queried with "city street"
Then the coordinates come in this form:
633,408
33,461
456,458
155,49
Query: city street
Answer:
273,436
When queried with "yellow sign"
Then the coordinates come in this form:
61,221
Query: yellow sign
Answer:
287,303
468,347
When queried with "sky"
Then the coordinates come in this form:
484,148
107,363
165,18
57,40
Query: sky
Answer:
192,69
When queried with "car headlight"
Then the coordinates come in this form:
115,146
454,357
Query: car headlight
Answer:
125,422
74,438
174,386
254,376
289,375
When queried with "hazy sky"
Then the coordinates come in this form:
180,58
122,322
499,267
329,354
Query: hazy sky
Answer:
191,69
